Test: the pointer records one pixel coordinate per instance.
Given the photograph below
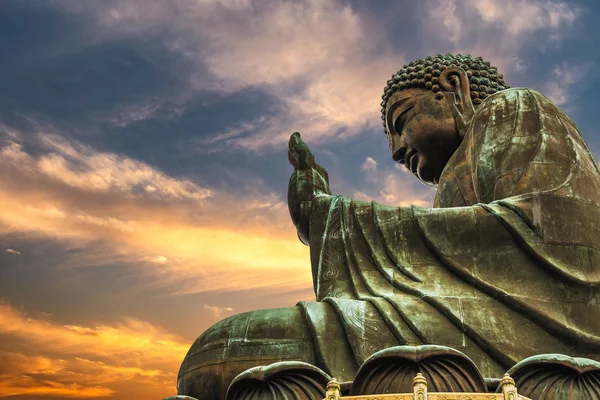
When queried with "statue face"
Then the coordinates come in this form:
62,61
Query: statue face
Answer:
422,132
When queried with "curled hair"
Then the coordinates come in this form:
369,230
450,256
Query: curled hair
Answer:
484,79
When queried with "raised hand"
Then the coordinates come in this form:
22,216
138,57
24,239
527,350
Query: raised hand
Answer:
308,181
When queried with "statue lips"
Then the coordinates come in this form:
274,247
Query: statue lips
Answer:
411,160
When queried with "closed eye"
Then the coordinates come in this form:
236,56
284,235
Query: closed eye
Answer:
401,120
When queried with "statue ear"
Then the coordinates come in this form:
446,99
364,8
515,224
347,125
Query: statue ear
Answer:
455,82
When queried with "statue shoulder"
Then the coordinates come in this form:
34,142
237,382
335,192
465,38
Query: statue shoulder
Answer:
516,96
517,111
513,130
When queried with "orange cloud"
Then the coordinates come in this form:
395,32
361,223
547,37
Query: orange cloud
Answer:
130,336
218,312
187,237
24,385
195,238
85,361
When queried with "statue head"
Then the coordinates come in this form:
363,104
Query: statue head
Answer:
428,105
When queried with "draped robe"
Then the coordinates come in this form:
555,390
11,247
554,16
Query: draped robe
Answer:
504,266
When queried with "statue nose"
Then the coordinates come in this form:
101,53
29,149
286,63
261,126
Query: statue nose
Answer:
399,153
398,146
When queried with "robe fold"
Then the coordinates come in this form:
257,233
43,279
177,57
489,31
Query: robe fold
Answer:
504,266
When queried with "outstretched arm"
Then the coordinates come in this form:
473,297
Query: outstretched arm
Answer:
308,181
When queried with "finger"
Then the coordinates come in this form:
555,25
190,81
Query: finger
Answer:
292,144
295,137
292,157
296,144
299,152
294,141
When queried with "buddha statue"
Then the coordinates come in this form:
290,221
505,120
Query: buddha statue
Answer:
504,266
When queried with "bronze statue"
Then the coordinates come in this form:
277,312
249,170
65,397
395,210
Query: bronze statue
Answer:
505,266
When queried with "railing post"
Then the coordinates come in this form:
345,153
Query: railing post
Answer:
419,387
333,390
509,390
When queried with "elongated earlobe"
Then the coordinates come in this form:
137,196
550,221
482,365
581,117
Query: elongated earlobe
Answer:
455,83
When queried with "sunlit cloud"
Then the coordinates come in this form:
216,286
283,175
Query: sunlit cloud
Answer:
498,30
523,16
218,312
84,361
11,385
369,164
192,238
564,76
130,336
156,259
314,57
9,132
513,17
15,252
394,186
82,167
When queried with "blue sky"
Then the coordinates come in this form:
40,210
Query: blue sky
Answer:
143,168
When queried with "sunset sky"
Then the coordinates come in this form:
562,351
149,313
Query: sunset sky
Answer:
143,167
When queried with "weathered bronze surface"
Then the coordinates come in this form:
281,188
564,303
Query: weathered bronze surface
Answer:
421,390
557,377
285,380
392,371
505,266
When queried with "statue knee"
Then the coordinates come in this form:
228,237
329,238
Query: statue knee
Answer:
243,341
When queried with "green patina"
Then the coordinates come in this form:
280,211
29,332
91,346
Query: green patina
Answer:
504,265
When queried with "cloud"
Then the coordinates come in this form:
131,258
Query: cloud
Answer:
134,113
445,11
519,65
15,252
156,259
525,16
9,132
80,166
26,385
43,357
498,30
564,77
218,312
314,57
369,165
163,106
187,237
128,337
395,186
511,17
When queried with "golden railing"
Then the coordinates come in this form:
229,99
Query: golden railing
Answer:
509,392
